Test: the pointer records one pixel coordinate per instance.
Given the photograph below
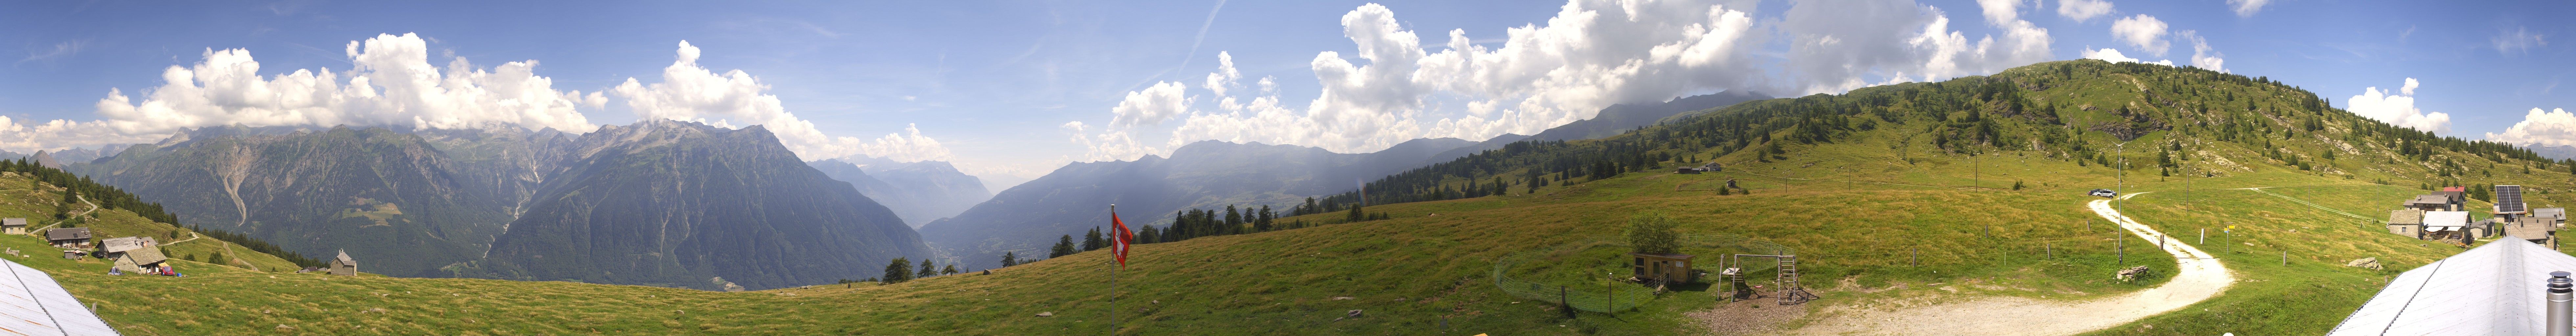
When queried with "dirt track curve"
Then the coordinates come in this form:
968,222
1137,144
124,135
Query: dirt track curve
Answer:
2201,277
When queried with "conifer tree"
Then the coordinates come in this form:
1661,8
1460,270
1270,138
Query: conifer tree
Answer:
1010,259
1262,222
1091,241
926,269
1233,221
897,271
1063,247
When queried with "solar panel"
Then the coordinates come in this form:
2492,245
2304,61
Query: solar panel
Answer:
2508,199
31,303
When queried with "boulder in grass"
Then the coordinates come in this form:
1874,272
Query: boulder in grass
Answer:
2370,263
1046,314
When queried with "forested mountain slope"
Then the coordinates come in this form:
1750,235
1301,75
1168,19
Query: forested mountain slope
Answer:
682,204
386,196
1074,199
2189,122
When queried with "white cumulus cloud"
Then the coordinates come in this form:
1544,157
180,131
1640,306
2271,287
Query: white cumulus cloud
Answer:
1592,54
2398,108
2113,55
1225,76
1839,46
2083,10
691,92
2555,127
1106,146
2142,31
1152,105
2246,8
390,83
1394,86
909,146
2201,54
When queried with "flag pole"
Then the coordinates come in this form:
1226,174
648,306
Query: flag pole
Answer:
1113,281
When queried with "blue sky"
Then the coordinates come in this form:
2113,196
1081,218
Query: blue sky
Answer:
1010,90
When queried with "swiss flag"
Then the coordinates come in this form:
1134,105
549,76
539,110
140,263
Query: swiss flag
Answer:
1118,237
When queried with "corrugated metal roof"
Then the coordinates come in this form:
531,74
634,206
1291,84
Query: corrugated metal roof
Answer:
2446,218
2429,199
122,244
31,303
2495,289
65,234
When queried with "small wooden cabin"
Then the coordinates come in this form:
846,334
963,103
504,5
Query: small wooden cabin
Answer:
343,265
2557,216
2408,222
135,254
1672,267
2537,230
15,226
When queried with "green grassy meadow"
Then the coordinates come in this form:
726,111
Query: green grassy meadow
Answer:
1857,227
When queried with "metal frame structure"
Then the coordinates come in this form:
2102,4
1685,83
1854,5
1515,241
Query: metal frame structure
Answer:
1787,279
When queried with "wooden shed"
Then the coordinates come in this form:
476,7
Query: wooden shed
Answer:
138,260
2408,222
1672,267
343,265
15,226
132,254
71,237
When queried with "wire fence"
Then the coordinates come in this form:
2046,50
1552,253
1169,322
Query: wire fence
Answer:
1613,298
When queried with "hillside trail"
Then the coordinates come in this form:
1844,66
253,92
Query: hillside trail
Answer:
194,237
2311,205
1886,183
40,231
2200,277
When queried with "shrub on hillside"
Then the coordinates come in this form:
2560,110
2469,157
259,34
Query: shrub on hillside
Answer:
1653,233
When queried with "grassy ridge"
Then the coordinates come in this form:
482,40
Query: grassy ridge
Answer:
2008,222
37,206
1411,274
1408,274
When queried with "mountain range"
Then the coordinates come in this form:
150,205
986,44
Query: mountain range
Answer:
1075,198
1072,200
918,191
668,203
682,204
1613,120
